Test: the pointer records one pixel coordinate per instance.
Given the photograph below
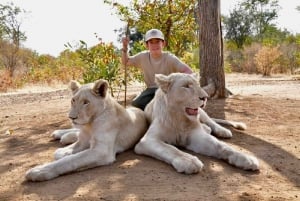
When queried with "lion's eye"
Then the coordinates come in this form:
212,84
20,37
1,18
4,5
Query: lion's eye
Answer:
86,102
186,86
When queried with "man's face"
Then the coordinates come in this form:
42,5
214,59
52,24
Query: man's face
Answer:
155,45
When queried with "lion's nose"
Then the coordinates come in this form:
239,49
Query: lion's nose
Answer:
73,118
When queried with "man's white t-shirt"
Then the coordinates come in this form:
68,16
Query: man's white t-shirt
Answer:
166,64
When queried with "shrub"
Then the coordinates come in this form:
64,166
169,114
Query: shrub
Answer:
266,59
5,80
103,61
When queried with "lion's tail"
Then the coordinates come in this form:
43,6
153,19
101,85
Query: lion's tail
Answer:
235,124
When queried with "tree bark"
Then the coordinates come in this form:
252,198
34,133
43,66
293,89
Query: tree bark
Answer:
211,49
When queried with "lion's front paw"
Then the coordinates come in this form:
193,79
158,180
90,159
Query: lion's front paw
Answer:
222,132
187,164
57,134
69,138
244,161
66,136
40,173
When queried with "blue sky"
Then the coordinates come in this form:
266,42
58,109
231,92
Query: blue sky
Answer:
53,23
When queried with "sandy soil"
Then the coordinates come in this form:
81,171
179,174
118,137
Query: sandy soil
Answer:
269,106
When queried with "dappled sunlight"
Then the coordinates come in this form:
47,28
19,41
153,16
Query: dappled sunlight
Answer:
129,164
131,196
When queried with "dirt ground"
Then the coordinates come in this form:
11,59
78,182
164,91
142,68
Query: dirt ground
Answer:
269,106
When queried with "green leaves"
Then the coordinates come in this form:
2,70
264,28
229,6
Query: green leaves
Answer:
103,61
250,19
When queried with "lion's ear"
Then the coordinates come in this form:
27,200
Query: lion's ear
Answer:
163,82
100,87
74,86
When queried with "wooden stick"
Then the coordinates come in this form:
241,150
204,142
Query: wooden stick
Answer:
125,66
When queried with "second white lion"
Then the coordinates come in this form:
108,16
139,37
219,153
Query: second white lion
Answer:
177,120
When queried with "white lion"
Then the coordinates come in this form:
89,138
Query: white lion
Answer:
177,120
104,128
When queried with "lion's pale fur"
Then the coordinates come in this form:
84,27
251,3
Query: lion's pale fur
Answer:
177,119
103,128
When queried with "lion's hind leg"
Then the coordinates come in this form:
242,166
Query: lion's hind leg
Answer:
234,124
209,145
66,136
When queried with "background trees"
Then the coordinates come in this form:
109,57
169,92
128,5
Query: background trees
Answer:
11,36
238,27
250,30
250,20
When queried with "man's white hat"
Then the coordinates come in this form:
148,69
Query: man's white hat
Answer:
154,33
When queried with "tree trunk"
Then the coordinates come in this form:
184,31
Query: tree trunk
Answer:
211,49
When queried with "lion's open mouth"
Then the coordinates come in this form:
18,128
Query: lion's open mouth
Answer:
191,111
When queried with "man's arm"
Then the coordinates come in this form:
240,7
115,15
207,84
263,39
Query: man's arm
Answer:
186,69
